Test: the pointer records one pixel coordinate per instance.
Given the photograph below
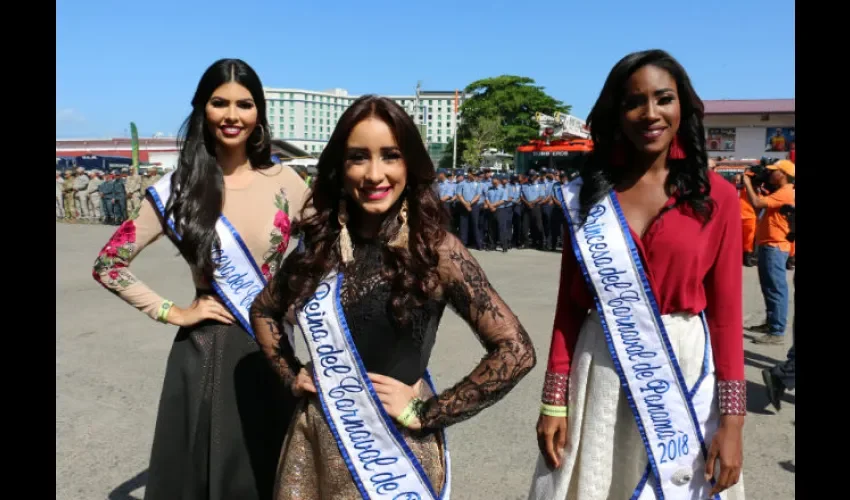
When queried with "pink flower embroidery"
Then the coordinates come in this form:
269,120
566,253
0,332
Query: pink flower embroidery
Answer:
126,234
279,236
115,256
282,223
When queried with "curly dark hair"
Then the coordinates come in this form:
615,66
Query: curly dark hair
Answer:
688,178
197,185
412,271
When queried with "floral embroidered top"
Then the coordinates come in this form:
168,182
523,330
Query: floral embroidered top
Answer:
261,212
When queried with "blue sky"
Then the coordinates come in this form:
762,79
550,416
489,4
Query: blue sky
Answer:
118,62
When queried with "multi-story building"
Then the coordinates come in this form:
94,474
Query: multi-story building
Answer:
750,128
306,118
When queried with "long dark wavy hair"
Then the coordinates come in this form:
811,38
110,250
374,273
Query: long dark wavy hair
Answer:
197,185
688,178
412,271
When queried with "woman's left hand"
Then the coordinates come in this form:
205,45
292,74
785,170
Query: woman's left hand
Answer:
396,396
727,445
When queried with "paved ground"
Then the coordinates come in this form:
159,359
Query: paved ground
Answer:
110,361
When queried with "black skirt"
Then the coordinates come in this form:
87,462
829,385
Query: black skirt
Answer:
222,417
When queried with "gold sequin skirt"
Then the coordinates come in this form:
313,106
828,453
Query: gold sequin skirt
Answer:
312,468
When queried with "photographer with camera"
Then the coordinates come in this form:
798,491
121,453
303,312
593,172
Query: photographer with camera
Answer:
773,246
749,221
782,376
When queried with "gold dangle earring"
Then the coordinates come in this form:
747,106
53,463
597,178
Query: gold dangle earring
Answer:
346,249
403,235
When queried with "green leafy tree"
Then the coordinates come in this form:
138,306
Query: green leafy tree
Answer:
514,100
486,133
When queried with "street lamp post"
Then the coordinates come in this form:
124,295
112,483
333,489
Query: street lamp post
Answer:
454,136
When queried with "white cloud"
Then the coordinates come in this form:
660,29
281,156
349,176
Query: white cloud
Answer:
69,115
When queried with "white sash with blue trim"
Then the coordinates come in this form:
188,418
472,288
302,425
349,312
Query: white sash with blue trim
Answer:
237,279
380,462
673,420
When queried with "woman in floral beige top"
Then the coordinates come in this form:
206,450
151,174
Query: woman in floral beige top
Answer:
222,414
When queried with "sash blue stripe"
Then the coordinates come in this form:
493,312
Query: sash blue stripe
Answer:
389,423
242,321
243,246
705,358
641,483
161,208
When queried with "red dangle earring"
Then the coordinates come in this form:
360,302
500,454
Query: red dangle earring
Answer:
677,152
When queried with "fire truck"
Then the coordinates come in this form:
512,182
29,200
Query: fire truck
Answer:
563,144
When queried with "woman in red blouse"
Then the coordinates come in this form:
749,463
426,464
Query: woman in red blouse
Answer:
685,221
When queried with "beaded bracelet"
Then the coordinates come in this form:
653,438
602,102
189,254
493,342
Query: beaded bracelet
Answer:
554,411
164,309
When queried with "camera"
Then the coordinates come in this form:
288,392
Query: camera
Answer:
760,174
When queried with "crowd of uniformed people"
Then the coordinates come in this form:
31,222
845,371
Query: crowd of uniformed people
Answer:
97,197
496,211
488,210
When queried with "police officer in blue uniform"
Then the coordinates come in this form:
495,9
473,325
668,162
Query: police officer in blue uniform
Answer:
546,206
457,180
532,218
476,177
468,195
513,189
557,224
445,191
494,198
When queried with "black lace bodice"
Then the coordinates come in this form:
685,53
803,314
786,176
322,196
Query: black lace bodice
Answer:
403,351
385,346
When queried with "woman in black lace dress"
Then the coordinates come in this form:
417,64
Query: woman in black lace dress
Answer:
374,218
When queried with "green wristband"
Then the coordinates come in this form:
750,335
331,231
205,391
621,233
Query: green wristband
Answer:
410,412
554,411
164,309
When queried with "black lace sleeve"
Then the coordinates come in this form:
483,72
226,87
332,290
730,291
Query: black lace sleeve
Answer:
267,320
510,354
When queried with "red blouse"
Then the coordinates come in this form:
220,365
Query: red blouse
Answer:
690,268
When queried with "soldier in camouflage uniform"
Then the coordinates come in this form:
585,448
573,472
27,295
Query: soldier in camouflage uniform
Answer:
81,183
149,180
68,193
93,191
60,203
133,188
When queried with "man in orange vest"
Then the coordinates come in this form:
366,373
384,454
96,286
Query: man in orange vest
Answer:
774,247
